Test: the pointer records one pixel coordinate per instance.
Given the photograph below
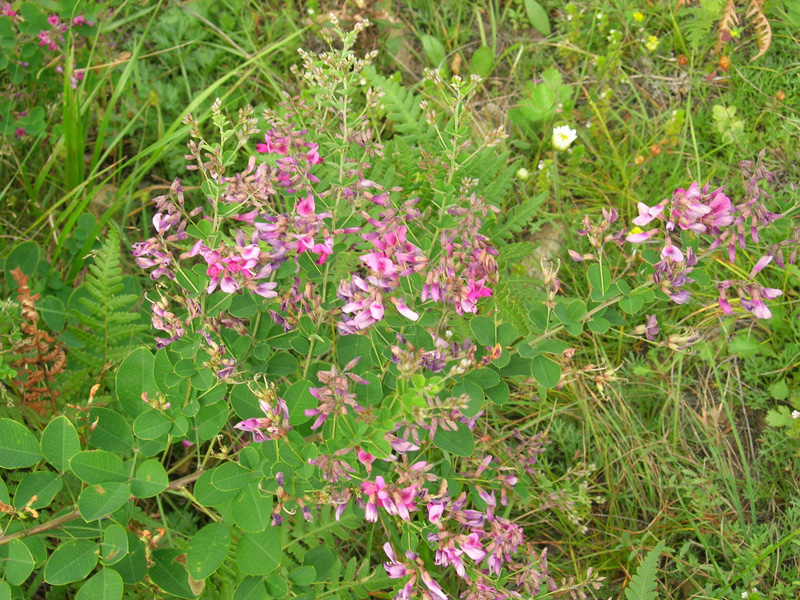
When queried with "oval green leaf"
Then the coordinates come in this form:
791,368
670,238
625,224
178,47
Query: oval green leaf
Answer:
112,432
100,499
115,544
207,550
134,377
98,466
18,446
71,561
151,479
259,553
60,442
104,585
19,563
546,371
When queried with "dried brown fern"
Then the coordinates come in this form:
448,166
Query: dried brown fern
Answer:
728,20
40,357
761,24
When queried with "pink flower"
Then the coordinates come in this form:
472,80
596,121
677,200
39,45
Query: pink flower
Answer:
305,207
274,425
404,310
672,252
647,214
472,547
394,569
763,262
53,20
435,510
637,238
366,459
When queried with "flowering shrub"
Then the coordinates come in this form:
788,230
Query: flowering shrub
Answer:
334,334
35,55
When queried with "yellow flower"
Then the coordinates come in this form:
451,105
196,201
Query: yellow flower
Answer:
652,43
637,16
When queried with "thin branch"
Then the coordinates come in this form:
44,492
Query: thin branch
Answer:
75,514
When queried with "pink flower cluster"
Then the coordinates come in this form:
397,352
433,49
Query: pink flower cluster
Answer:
713,214
273,425
235,268
466,264
394,500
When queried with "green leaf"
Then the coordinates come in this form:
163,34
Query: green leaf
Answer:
60,442
779,390
245,403
632,304
53,312
133,565
19,563
252,588
499,394
210,420
134,377
106,584
459,442
482,62
101,499
643,584
303,575
230,476
115,544
251,510
599,278
599,324
111,433
276,585
546,371
207,495
42,484
323,561
71,561
259,553
569,311
151,425
483,328
207,550
18,446
5,591
151,479
298,398
537,16
26,257
98,466
434,50
170,575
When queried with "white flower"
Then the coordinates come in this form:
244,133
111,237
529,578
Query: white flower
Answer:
563,137
745,595
796,414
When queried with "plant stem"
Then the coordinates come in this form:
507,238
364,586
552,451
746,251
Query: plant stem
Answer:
75,514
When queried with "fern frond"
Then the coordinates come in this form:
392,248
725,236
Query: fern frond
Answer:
402,106
762,27
727,22
104,323
643,584
517,218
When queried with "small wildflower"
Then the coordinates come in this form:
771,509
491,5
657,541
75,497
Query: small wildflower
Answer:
796,414
637,16
652,43
563,137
